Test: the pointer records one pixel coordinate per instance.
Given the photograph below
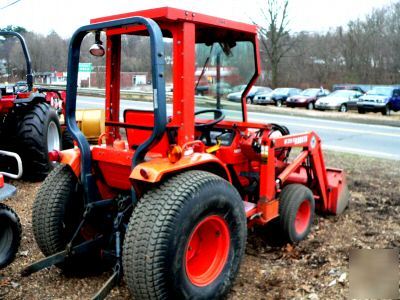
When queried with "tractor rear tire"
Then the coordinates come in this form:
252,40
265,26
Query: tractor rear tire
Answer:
172,224
57,211
38,131
10,235
296,210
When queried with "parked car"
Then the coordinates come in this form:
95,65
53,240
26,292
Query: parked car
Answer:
224,88
380,99
341,100
263,98
362,88
237,92
277,97
202,90
306,98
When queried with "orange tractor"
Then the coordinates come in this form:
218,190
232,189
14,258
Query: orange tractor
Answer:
168,193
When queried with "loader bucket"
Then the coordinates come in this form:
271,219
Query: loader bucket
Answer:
338,196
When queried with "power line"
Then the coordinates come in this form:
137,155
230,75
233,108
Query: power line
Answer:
8,5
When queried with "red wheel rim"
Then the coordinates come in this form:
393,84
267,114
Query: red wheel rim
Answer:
302,217
207,250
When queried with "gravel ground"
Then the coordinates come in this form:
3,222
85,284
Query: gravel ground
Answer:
310,270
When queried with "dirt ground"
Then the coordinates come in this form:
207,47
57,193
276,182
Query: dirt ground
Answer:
317,268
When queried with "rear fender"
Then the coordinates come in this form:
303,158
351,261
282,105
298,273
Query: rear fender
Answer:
33,98
72,157
157,169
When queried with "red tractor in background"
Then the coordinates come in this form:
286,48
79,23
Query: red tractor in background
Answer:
29,122
167,198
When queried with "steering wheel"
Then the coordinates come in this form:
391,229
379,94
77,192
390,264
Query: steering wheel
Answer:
218,117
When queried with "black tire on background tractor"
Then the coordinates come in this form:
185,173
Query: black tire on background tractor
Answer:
57,212
38,131
185,239
10,235
67,140
296,210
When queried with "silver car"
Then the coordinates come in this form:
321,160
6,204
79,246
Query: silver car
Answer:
341,100
236,95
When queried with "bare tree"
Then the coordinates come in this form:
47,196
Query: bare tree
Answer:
274,35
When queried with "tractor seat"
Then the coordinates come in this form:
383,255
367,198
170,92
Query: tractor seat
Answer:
141,126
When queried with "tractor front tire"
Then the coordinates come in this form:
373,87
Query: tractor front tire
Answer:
38,133
296,210
57,211
10,235
185,239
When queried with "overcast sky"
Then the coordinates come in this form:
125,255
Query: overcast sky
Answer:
65,16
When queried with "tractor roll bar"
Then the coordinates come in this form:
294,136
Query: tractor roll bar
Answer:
159,101
29,76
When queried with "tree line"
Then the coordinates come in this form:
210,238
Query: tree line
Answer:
363,51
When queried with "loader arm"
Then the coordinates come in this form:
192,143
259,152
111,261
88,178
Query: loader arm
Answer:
311,144
329,182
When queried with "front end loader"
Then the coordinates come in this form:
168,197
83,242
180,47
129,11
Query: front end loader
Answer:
166,197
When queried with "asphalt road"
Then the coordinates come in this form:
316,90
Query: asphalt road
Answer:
371,140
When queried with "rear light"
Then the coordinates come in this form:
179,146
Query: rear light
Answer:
55,156
174,153
1,180
144,174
